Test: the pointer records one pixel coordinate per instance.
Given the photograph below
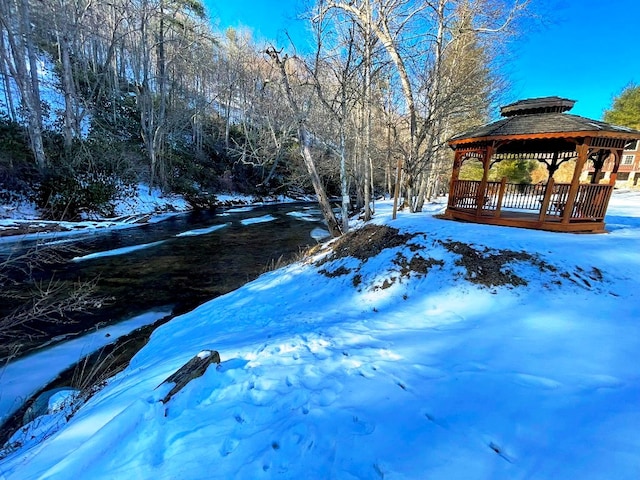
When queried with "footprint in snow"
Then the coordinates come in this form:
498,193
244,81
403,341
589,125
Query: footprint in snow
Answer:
360,427
326,397
228,446
368,371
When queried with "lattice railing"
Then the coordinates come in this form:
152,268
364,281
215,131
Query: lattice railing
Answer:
558,199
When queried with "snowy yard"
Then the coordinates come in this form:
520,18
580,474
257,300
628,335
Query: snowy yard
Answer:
442,350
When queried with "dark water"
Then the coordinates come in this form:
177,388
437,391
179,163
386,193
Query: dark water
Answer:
182,271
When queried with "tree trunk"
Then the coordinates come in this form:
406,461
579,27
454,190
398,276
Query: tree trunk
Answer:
21,60
36,116
321,195
8,94
305,149
160,127
366,157
67,86
344,185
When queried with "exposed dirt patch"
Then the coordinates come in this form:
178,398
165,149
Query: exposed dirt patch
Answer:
367,242
481,265
338,272
583,278
492,268
417,264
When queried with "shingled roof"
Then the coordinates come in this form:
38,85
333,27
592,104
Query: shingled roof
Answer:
538,105
539,116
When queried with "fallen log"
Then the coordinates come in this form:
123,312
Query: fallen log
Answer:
194,368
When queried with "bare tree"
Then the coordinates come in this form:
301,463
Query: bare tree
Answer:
165,34
415,35
304,139
334,72
21,58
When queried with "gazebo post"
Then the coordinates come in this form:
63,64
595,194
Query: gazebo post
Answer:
583,152
598,163
481,194
544,207
455,174
503,187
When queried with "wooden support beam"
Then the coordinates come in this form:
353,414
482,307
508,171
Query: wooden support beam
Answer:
503,186
546,199
482,189
617,159
583,152
455,174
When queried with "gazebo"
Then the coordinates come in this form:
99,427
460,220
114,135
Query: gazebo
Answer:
537,129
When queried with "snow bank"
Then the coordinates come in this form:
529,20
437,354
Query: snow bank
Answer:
403,364
146,201
24,377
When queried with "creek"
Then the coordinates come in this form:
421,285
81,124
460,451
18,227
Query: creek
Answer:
174,264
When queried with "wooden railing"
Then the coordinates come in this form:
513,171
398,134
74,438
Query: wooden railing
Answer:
551,198
592,201
465,194
523,196
559,194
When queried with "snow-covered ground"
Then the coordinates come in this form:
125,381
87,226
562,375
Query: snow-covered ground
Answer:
142,201
24,377
20,220
404,362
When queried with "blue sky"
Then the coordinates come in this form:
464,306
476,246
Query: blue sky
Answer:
585,50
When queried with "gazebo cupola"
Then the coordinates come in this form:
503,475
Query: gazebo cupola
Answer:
537,129
537,105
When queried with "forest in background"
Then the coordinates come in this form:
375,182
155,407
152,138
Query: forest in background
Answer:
97,97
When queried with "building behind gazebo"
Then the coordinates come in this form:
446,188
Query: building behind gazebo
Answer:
538,129
628,172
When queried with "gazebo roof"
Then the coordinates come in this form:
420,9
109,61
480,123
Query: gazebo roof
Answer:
542,118
537,129
537,105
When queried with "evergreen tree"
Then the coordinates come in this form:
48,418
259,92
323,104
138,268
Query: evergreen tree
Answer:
626,108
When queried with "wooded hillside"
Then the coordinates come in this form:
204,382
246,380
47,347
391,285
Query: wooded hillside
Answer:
98,96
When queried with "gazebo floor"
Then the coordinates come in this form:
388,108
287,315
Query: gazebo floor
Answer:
513,218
